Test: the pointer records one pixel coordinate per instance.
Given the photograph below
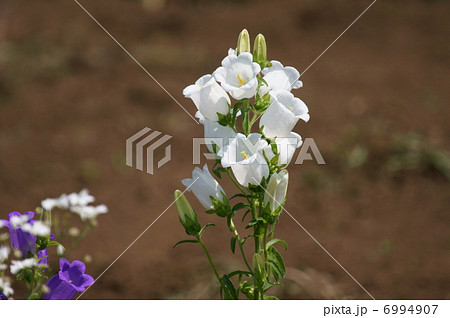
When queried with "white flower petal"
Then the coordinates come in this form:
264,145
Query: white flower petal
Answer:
237,75
17,266
38,228
279,77
283,114
244,156
203,185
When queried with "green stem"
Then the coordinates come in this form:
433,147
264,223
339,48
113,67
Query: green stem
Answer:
255,117
256,228
241,248
210,260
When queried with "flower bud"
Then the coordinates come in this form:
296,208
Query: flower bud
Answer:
260,49
258,270
243,43
276,190
187,216
60,250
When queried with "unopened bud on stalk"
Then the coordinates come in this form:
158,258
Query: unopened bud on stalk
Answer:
60,250
260,49
243,43
186,214
276,190
258,270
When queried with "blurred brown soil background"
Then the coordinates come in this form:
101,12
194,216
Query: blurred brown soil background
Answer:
379,105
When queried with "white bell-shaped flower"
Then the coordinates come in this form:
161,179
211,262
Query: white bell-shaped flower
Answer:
216,133
245,157
203,185
286,147
276,190
237,75
209,97
280,77
284,112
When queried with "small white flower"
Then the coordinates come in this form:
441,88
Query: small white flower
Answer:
245,157
63,201
4,253
283,114
279,77
19,220
89,212
38,228
80,199
2,223
209,97
237,75
17,266
203,185
216,133
276,190
6,288
49,204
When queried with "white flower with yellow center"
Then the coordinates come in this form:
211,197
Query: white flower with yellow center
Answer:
237,75
283,114
209,97
245,157
280,77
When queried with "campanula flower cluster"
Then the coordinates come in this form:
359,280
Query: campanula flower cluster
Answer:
246,91
31,238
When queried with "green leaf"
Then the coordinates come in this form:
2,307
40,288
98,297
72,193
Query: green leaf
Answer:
239,195
217,173
233,244
239,272
270,298
274,241
185,241
278,259
204,228
230,291
276,271
246,237
223,119
267,285
245,214
239,206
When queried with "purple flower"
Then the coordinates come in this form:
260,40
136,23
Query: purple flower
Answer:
2,297
20,240
70,280
44,255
